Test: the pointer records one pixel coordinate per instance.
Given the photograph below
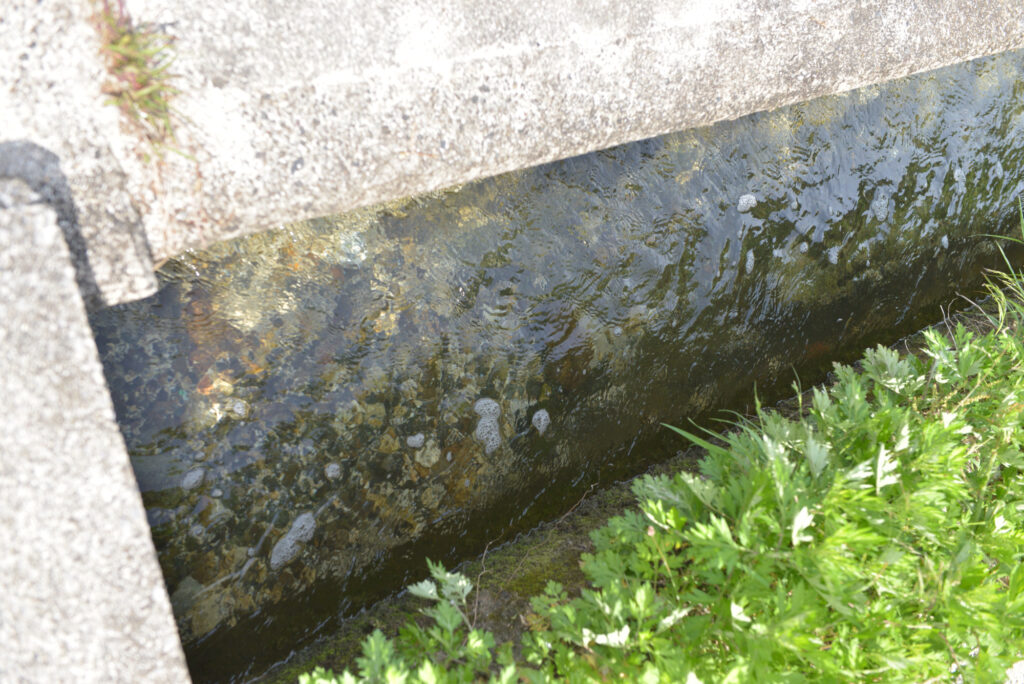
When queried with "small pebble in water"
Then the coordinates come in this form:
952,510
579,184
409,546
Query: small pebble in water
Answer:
617,330
746,203
197,531
193,478
288,546
945,242
332,471
415,441
541,420
217,493
159,516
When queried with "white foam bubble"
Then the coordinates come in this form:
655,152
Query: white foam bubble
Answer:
487,408
945,242
415,441
487,429
880,207
288,546
746,203
488,432
332,471
541,420
833,255
239,408
750,261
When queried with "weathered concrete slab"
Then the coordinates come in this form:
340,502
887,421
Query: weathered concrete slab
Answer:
297,110
52,114
83,597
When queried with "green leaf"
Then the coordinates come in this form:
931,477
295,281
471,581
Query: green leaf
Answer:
885,470
801,522
817,455
429,673
1016,582
425,589
737,613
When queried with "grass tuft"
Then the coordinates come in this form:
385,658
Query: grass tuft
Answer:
138,59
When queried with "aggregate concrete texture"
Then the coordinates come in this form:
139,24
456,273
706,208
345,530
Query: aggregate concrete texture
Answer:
83,597
293,110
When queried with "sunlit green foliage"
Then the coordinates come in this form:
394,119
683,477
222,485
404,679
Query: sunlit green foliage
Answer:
877,536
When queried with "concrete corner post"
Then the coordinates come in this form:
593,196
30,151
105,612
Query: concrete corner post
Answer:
83,597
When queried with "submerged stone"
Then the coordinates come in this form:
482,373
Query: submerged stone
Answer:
193,478
288,546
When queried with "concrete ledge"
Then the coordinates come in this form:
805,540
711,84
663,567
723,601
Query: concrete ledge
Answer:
297,110
83,596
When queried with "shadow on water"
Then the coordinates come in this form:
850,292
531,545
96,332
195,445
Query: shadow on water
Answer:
311,412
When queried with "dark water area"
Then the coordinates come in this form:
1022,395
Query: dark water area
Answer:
313,411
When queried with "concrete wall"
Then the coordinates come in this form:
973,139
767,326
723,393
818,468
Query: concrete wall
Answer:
292,110
83,597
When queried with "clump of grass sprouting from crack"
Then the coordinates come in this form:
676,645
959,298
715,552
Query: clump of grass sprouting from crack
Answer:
138,59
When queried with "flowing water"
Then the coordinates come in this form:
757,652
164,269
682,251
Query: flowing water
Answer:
312,411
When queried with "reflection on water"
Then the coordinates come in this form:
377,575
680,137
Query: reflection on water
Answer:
312,411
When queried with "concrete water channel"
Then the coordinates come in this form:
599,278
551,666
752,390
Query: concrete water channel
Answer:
310,411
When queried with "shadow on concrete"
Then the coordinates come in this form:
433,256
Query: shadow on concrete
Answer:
39,168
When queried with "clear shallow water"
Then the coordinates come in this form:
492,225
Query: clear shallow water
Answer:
311,412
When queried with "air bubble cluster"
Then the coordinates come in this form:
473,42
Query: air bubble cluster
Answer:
746,203
487,430
541,420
